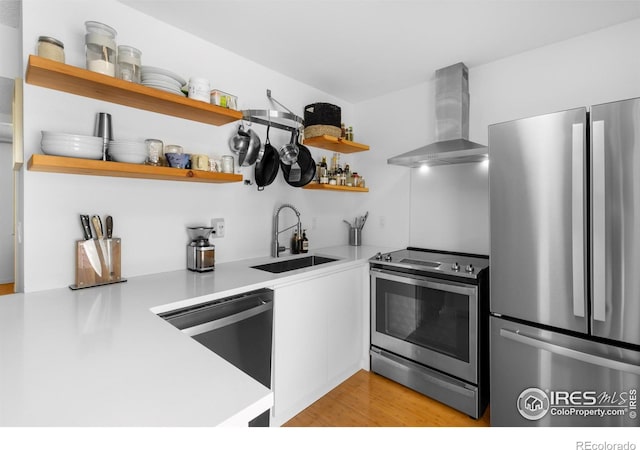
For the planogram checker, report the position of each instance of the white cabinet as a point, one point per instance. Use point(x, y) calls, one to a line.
point(318, 339)
point(344, 325)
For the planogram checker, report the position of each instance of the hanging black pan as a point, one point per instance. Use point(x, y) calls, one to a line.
point(307, 166)
point(266, 168)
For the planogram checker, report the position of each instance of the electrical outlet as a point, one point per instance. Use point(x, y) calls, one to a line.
point(218, 228)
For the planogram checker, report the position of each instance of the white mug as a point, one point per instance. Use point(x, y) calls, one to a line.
point(199, 89)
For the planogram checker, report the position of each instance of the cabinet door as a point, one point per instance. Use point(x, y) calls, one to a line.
point(345, 324)
point(300, 347)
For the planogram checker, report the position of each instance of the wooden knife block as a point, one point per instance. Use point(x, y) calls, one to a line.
point(95, 252)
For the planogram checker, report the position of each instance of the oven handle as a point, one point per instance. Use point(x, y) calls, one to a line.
point(417, 280)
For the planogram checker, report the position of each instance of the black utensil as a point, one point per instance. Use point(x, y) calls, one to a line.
point(109, 231)
point(86, 226)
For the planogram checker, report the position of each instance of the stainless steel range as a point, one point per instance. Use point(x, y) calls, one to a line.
point(430, 324)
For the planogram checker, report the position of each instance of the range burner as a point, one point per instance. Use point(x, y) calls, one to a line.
point(463, 265)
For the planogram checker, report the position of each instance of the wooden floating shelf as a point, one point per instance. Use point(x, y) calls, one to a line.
point(80, 166)
point(331, 187)
point(74, 80)
point(335, 144)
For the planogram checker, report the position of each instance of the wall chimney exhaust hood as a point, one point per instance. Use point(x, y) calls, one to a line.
point(452, 125)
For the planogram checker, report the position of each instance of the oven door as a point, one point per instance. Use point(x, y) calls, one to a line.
point(427, 320)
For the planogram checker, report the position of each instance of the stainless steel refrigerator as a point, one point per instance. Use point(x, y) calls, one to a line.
point(565, 268)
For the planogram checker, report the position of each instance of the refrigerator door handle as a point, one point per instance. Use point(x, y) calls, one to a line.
point(577, 218)
point(570, 353)
point(599, 224)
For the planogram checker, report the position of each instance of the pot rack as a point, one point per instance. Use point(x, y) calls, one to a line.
point(284, 120)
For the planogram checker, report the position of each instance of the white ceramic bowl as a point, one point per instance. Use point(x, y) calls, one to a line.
point(71, 145)
point(128, 147)
point(134, 158)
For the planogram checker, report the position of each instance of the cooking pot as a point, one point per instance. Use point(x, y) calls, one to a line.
point(266, 167)
point(289, 152)
point(307, 167)
point(239, 141)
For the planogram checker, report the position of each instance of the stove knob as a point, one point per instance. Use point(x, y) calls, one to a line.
point(387, 257)
point(379, 256)
point(469, 269)
point(455, 267)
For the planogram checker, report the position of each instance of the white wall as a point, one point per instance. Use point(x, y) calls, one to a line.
point(150, 216)
point(448, 206)
point(406, 208)
point(10, 51)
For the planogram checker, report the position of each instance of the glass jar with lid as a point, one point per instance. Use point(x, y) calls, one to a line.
point(129, 62)
point(100, 46)
point(50, 48)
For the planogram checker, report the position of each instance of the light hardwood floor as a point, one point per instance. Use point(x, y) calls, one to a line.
point(369, 400)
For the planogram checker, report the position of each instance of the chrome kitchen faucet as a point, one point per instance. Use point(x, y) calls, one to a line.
point(275, 246)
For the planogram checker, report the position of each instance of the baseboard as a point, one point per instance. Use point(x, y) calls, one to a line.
point(7, 288)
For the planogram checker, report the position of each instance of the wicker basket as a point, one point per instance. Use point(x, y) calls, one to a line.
point(322, 118)
point(319, 130)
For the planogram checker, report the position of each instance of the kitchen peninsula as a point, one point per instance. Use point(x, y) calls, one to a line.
point(102, 357)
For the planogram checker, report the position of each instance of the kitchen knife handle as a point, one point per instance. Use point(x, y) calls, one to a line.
point(109, 221)
point(97, 225)
point(86, 226)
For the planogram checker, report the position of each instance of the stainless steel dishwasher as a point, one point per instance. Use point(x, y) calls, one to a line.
point(238, 328)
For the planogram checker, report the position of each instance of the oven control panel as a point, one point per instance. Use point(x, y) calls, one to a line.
point(458, 265)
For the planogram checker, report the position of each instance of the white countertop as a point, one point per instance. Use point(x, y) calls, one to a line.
point(102, 357)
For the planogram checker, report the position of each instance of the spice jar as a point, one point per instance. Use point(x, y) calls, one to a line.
point(50, 48)
point(129, 62)
point(100, 47)
point(154, 152)
point(227, 164)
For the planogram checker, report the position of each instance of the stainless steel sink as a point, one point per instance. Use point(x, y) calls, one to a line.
point(294, 264)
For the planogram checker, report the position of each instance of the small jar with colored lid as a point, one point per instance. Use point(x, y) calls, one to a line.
point(129, 63)
point(50, 48)
point(100, 46)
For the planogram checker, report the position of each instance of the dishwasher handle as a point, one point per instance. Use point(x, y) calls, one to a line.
point(242, 314)
point(216, 314)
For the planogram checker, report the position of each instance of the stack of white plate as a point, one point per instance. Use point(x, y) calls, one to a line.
point(72, 145)
point(128, 151)
point(162, 79)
